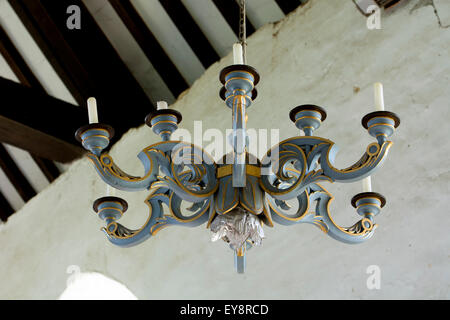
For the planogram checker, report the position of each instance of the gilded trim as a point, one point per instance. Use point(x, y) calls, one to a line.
point(239, 78)
point(227, 170)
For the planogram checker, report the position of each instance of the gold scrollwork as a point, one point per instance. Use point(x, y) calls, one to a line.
point(357, 229)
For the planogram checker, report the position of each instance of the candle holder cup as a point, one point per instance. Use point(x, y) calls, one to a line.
point(368, 205)
point(380, 124)
point(164, 122)
point(308, 117)
point(110, 207)
point(95, 137)
point(238, 80)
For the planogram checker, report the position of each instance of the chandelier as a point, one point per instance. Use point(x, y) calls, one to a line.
point(239, 195)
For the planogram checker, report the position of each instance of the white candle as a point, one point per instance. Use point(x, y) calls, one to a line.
point(238, 57)
point(92, 110)
point(379, 99)
point(110, 191)
point(161, 105)
point(367, 184)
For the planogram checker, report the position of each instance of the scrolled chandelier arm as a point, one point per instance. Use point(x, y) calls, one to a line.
point(236, 199)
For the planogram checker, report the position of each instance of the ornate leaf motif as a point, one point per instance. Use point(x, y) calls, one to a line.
point(120, 231)
point(354, 234)
point(294, 164)
point(303, 162)
point(175, 172)
point(319, 199)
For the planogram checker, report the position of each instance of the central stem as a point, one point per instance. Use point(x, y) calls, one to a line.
point(239, 141)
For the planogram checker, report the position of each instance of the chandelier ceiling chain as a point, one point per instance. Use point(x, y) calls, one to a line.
point(243, 29)
point(236, 197)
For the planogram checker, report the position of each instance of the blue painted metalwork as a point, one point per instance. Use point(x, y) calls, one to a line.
point(95, 137)
point(239, 83)
point(176, 171)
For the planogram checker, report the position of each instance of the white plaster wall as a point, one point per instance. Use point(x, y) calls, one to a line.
point(318, 54)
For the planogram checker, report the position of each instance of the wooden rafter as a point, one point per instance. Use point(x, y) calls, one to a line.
point(150, 46)
point(36, 142)
point(230, 11)
point(190, 31)
point(5, 208)
point(16, 62)
point(47, 36)
point(48, 168)
point(86, 62)
point(15, 176)
point(26, 77)
point(35, 109)
point(39, 123)
point(288, 6)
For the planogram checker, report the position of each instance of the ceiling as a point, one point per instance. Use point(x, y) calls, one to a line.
point(125, 50)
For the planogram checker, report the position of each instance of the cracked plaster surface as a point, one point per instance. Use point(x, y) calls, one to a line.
point(441, 10)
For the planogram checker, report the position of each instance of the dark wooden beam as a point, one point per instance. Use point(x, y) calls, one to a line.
point(26, 77)
point(39, 123)
point(86, 62)
point(54, 46)
point(37, 110)
point(5, 208)
point(230, 11)
point(16, 62)
point(48, 168)
point(190, 31)
point(288, 6)
point(15, 176)
point(150, 46)
point(36, 142)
